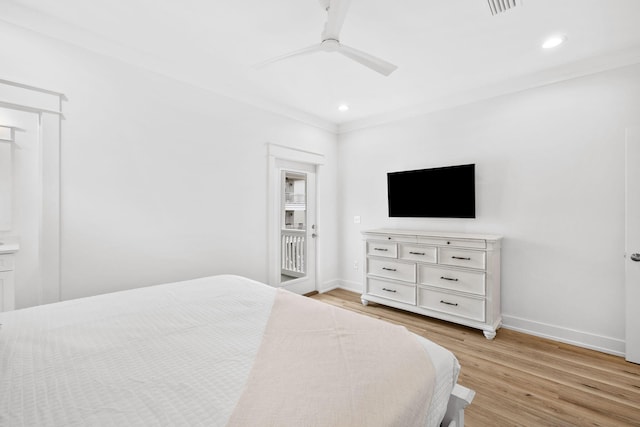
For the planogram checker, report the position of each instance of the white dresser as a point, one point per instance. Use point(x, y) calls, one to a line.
point(449, 276)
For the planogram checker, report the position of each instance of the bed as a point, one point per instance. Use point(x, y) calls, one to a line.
point(219, 351)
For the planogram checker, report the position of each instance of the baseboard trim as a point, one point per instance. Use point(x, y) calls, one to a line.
point(329, 286)
point(569, 336)
point(350, 285)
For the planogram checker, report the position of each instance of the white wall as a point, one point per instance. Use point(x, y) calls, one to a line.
point(161, 181)
point(549, 172)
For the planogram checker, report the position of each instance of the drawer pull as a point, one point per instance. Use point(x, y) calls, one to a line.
point(463, 258)
point(388, 269)
point(448, 278)
point(389, 290)
point(380, 249)
point(417, 253)
point(455, 304)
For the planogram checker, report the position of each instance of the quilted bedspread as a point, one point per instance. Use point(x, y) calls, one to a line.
point(174, 354)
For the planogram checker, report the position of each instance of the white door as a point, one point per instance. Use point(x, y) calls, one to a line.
point(632, 249)
point(297, 226)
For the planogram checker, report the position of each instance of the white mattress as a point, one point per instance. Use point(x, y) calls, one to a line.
point(174, 354)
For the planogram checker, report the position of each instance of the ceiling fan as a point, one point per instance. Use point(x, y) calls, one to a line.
point(336, 13)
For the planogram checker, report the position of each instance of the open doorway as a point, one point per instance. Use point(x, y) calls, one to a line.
point(297, 248)
point(30, 189)
point(292, 219)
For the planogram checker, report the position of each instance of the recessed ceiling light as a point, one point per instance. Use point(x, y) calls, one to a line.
point(343, 107)
point(554, 41)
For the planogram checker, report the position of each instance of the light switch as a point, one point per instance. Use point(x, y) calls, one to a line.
point(356, 219)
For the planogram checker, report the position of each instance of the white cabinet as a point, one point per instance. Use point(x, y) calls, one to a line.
point(449, 276)
point(7, 286)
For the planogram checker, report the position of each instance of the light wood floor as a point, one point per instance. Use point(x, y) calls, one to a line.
point(522, 380)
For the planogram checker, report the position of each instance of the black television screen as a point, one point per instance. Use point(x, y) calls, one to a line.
point(447, 192)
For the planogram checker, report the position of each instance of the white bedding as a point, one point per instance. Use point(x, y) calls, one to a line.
point(174, 354)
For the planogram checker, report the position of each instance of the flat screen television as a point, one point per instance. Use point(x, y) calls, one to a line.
point(446, 192)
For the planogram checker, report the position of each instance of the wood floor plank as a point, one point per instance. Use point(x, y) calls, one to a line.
point(522, 380)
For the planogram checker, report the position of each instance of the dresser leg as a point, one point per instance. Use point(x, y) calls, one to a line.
point(364, 301)
point(489, 334)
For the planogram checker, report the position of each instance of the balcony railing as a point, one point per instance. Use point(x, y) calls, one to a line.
point(293, 248)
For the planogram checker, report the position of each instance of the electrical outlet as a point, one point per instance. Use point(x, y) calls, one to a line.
point(356, 219)
point(355, 265)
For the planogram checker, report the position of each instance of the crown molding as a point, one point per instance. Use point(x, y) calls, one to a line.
point(31, 20)
point(594, 65)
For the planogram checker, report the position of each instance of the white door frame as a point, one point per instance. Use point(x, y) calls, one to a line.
point(279, 152)
point(632, 244)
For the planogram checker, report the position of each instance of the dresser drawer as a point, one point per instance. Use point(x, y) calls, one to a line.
point(6, 262)
point(384, 249)
point(391, 238)
point(436, 241)
point(418, 253)
point(450, 278)
point(394, 291)
point(392, 270)
point(461, 258)
point(456, 243)
point(469, 307)
point(460, 243)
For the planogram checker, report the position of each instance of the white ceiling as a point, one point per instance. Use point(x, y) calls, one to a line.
point(447, 51)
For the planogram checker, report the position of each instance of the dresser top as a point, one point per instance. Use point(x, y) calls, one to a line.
point(439, 234)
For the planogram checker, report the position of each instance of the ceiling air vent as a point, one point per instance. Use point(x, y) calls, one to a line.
point(499, 6)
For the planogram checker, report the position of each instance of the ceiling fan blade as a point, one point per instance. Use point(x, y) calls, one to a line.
point(304, 51)
point(376, 64)
point(337, 12)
